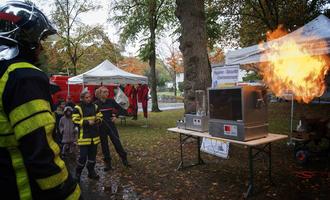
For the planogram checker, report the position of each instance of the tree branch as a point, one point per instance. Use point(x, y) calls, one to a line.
point(79, 11)
point(159, 7)
point(74, 5)
point(262, 17)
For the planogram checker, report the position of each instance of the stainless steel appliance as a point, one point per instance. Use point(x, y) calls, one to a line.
point(238, 113)
point(198, 121)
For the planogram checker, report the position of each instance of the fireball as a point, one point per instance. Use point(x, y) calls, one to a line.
point(292, 67)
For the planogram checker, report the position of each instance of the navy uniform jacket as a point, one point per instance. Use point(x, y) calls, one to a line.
point(30, 166)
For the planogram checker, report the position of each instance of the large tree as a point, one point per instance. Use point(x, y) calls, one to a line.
point(56, 60)
point(75, 35)
point(193, 45)
point(144, 21)
point(247, 21)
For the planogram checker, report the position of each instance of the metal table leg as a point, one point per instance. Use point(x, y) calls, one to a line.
point(181, 154)
point(267, 150)
point(200, 160)
point(250, 187)
point(182, 142)
point(270, 163)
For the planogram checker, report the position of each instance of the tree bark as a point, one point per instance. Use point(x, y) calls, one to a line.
point(152, 57)
point(174, 84)
point(193, 45)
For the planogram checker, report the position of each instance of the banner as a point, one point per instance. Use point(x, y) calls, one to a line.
point(215, 147)
point(122, 99)
point(226, 75)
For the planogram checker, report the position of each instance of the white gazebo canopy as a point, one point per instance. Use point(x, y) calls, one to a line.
point(107, 73)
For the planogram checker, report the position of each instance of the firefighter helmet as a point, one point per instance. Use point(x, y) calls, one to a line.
point(23, 24)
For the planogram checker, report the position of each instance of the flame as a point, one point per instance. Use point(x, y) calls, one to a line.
point(291, 67)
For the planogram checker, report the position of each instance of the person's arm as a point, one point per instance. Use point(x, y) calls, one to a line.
point(61, 125)
point(99, 115)
point(26, 100)
point(76, 116)
point(78, 120)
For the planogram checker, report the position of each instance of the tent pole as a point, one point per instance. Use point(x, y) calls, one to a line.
point(146, 119)
point(83, 83)
point(68, 89)
point(291, 122)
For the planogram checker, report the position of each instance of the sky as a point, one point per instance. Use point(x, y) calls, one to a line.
point(100, 17)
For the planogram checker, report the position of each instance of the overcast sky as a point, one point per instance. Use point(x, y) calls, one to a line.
point(100, 17)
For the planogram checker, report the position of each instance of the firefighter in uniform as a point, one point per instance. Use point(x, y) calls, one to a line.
point(110, 110)
point(87, 116)
point(30, 166)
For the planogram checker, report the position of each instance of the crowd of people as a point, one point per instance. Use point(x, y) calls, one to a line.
point(86, 125)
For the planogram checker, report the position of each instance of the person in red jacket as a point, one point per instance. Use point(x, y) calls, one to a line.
point(131, 93)
point(143, 97)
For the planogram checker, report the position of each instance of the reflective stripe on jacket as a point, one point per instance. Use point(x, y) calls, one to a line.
point(88, 134)
point(27, 151)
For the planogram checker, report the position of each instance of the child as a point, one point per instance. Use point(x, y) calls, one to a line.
point(88, 117)
point(66, 127)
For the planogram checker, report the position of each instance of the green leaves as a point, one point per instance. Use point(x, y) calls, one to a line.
point(75, 35)
point(137, 18)
point(247, 21)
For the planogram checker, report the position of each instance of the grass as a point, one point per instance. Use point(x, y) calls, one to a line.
point(154, 154)
point(279, 115)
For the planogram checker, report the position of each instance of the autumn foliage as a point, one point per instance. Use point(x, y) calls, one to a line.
point(133, 65)
point(216, 56)
point(175, 62)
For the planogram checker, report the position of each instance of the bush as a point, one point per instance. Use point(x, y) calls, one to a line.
point(180, 86)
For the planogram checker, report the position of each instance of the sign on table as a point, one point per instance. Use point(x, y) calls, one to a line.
point(225, 75)
point(215, 147)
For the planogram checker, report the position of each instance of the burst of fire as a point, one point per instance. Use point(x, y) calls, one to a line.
point(293, 68)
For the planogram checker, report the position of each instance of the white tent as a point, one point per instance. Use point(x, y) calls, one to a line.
point(107, 73)
point(308, 36)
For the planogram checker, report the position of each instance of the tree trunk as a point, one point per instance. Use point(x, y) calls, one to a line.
point(193, 45)
point(152, 57)
point(74, 63)
point(174, 84)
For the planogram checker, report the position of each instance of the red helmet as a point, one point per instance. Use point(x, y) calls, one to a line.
point(24, 24)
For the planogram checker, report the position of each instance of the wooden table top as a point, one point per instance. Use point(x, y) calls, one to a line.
point(270, 138)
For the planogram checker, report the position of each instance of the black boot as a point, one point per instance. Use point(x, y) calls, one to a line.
point(125, 163)
point(91, 171)
point(107, 165)
point(78, 172)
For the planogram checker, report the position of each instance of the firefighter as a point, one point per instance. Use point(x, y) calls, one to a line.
point(87, 116)
point(30, 165)
point(110, 110)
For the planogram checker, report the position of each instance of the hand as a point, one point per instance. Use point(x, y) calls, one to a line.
point(113, 118)
point(76, 129)
point(91, 122)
